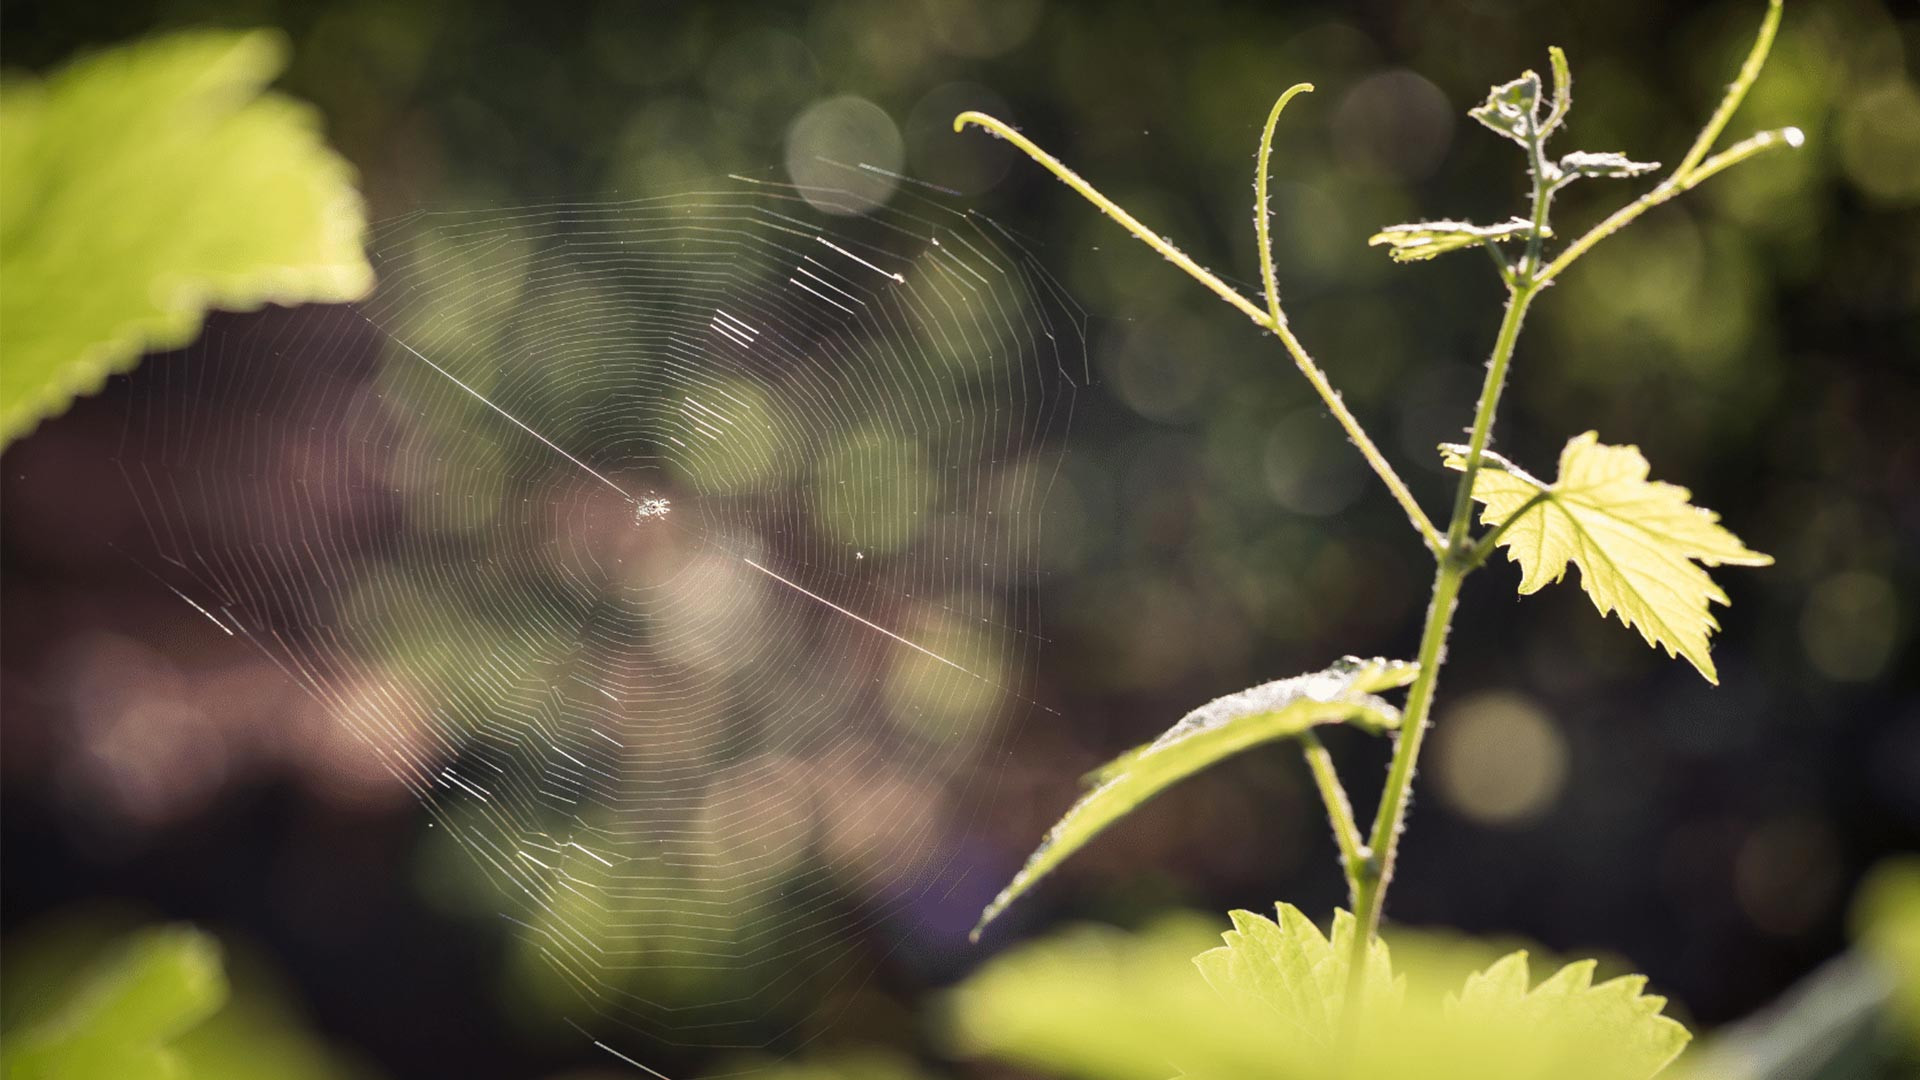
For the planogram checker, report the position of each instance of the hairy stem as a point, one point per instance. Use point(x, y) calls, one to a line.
point(1672, 186)
point(1354, 854)
point(1263, 230)
point(1390, 819)
point(1696, 166)
point(1460, 557)
point(1272, 319)
point(1736, 93)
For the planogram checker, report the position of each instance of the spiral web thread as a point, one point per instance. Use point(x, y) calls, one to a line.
point(677, 553)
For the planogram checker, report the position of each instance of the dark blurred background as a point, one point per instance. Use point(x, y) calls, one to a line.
point(1758, 339)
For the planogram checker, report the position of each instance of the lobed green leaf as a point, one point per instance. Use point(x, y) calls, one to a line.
point(1635, 541)
point(1297, 975)
point(1269, 1004)
point(1215, 731)
point(1568, 1025)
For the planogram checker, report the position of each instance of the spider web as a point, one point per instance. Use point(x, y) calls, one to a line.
point(677, 553)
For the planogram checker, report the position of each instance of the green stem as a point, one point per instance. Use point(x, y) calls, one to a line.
point(1736, 93)
point(1346, 831)
point(1459, 557)
point(1271, 319)
point(1696, 166)
point(1543, 187)
point(1390, 819)
point(1672, 186)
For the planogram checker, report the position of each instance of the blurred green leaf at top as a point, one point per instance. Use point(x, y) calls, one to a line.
point(144, 185)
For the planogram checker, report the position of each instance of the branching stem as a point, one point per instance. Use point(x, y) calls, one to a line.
point(1369, 862)
point(1670, 187)
point(1272, 319)
point(1736, 93)
point(1461, 557)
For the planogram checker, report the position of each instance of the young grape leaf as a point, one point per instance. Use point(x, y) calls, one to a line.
point(1099, 1004)
point(1613, 165)
point(1297, 975)
point(1635, 540)
point(1425, 239)
point(1567, 1025)
point(142, 186)
point(1215, 731)
point(1512, 109)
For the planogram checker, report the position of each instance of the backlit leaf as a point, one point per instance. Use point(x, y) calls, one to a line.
point(1096, 1003)
point(1512, 109)
point(1568, 1026)
point(1425, 239)
point(1296, 974)
point(1613, 165)
point(1269, 1004)
point(1636, 541)
point(142, 186)
point(1215, 731)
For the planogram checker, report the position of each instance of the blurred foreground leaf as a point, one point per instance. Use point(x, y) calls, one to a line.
point(1887, 923)
point(1211, 733)
point(93, 994)
point(1296, 974)
point(1097, 1004)
point(123, 1017)
point(144, 185)
point(1567, 1025)
point(1635, 540)
point(856, 1064)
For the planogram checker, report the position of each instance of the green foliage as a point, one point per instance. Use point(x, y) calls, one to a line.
point(1298, 976)
point(1637, 543)
point(1635, 540)
point(862, 1064)
point(1566, 1025)
point(1344, 693)
point(1887, 922)
point(96, 995)
point(1512, 109)
point(1100, 1005)
point(1425, 239)
point(127, 1012)
point(144, 185)
point(1612, 165)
